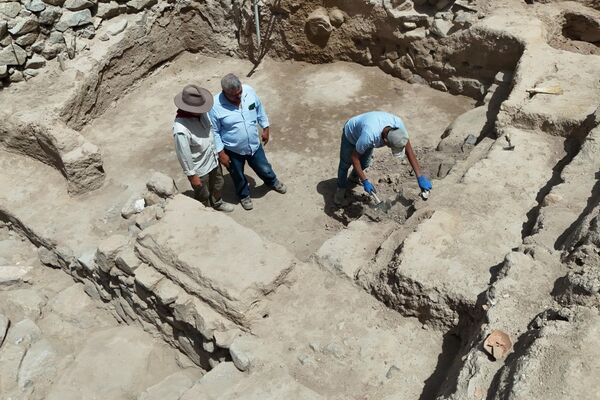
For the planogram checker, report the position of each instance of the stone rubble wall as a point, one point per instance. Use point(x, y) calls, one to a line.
point(195, 302)
point(32, 32)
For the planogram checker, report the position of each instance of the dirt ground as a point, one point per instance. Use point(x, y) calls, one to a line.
point(307, 107)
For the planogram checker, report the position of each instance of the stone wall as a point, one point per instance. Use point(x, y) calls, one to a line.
point(35, 31)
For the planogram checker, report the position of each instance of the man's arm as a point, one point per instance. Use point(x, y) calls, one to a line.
point(412, 159)
point(219, 146)
point(424, 183)
point(357, 167)
point(184, 154)
point(263, 120)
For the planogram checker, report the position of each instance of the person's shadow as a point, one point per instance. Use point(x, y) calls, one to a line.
point(345, 215)
point(229, 195)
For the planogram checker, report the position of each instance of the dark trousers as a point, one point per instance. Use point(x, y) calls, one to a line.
point(258, 162)
point(212, 187)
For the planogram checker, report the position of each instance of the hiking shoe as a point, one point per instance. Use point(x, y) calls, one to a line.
point(340, 197)
point(247, 203)
point(280, 187)
point(224, 207)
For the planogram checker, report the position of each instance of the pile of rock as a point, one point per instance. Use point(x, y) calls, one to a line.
point(34, 31)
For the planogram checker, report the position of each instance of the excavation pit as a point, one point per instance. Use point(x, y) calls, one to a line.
point(299, 298)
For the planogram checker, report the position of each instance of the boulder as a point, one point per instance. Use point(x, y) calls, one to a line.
point(76, 5)
point(441, 27)
point(3, 71)
point(11, 276)
point(17, 76)
point(35, 6)
point(110, 10)
point(24, 25)
point(57, 3)
point(70, 19)
point(139, 5)
point(108, 250)
point(10, 9)
point(50, 15)
point(27, 39)
point(318, 24)
point(35, 62)
point(161, 184)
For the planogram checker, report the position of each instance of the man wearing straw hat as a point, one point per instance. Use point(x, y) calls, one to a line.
point(195, 146)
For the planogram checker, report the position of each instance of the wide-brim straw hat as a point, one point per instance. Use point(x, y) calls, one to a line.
point(194, 99)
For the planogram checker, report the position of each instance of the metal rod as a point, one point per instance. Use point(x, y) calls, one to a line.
point(257, 23)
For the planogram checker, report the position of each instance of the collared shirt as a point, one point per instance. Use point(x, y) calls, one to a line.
point(235, 127)
point(364, 130)
point(194, 145)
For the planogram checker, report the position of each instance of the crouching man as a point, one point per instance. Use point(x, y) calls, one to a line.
point(195, 146)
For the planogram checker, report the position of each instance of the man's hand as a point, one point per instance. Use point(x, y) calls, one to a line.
point(424, 183)
point(195, 181)
point(368, 186)
point(265, 135)
point(224, 159)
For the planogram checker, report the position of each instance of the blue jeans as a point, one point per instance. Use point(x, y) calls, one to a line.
point(258, 162)
point(346, 149)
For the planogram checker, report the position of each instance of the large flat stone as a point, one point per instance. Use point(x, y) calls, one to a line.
point(448, 260)
point(213, 257)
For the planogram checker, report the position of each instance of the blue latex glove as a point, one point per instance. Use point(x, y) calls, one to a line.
point(368, 186)
point(424, 183)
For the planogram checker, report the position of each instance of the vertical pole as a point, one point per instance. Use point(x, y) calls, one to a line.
point(257, 23)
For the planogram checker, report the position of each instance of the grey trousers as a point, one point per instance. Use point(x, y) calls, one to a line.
point(212, 188)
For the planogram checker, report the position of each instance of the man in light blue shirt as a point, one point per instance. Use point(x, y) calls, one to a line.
point(363, 133)
point(235, 114)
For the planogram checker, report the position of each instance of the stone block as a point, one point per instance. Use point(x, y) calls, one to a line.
point(10, 9)
point(57, 3)
point(441, 27)
point(13, 276)
point(24, 25)
point(240, 356)
point(139, 5)
point(70, 19)
point(127, 261)
point(147, 277)
point(196, 313)
point(235, 282)
point(36, 62)
point(49, 16)
point(147, 217)
point(76, 5)
point(110, 10)
point(161, 184)
point(3, 29)
point(35, 6)
point(108, 250)
point(173, 386)
point(27, 39)
point(224, 339)
point(13, 55)
point(167, 292)
point(88, 261)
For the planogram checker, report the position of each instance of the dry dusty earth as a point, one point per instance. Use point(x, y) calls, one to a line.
point(299, 299)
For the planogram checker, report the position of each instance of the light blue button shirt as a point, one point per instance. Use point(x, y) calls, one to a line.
point(364, 130)
point(235, 127)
